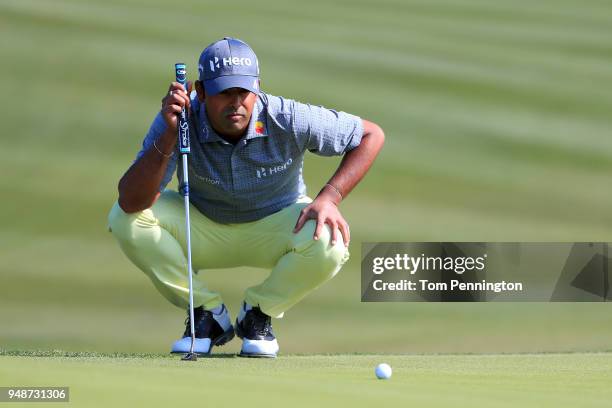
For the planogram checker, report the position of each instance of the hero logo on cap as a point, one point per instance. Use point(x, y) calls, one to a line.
point(229, 63)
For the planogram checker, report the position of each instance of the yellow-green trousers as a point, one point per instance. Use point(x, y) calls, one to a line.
point(155, 241)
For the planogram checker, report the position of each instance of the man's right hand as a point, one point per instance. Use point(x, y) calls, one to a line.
point(173, 103)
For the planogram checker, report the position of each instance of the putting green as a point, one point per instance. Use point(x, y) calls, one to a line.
point(497, 117)
point(510, 380)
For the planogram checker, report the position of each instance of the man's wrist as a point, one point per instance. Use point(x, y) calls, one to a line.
point(330, 193)
point(166, 143)
point(166, 155)
point(336, 189)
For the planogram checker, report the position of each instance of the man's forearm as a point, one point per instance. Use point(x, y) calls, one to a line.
point(356, 163)
point(139, 186)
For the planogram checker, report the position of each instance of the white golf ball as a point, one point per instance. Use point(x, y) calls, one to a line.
point(383, 371)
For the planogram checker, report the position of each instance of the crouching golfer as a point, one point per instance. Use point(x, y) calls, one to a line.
point(248, 199)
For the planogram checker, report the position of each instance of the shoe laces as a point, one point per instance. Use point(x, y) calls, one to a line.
point(262, 323)
point(198, 313)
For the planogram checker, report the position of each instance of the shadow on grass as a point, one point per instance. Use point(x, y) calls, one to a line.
point(207, 356)
point(92, 354)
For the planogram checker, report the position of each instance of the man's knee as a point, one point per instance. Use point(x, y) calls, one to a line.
point(122, 225)
point(329, 258)
point(116, 219)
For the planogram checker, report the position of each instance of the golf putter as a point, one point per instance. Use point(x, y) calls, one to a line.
point(185, 149)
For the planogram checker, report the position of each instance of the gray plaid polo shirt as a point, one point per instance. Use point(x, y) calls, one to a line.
point(262, 173)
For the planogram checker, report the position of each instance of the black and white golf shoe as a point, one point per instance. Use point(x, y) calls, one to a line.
point(254, 327)
point(212, 328)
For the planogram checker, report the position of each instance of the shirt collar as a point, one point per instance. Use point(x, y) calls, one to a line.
point(206, 133)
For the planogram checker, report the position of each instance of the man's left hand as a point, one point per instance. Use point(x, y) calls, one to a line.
point(325, 211)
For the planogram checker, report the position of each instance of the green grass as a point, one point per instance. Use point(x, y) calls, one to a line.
point(497, 121)
point(497, 117)
point(526, 380)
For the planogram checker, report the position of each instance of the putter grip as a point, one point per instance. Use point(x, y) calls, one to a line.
point(183, 124)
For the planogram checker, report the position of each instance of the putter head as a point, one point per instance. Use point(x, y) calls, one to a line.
point(190, 357)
